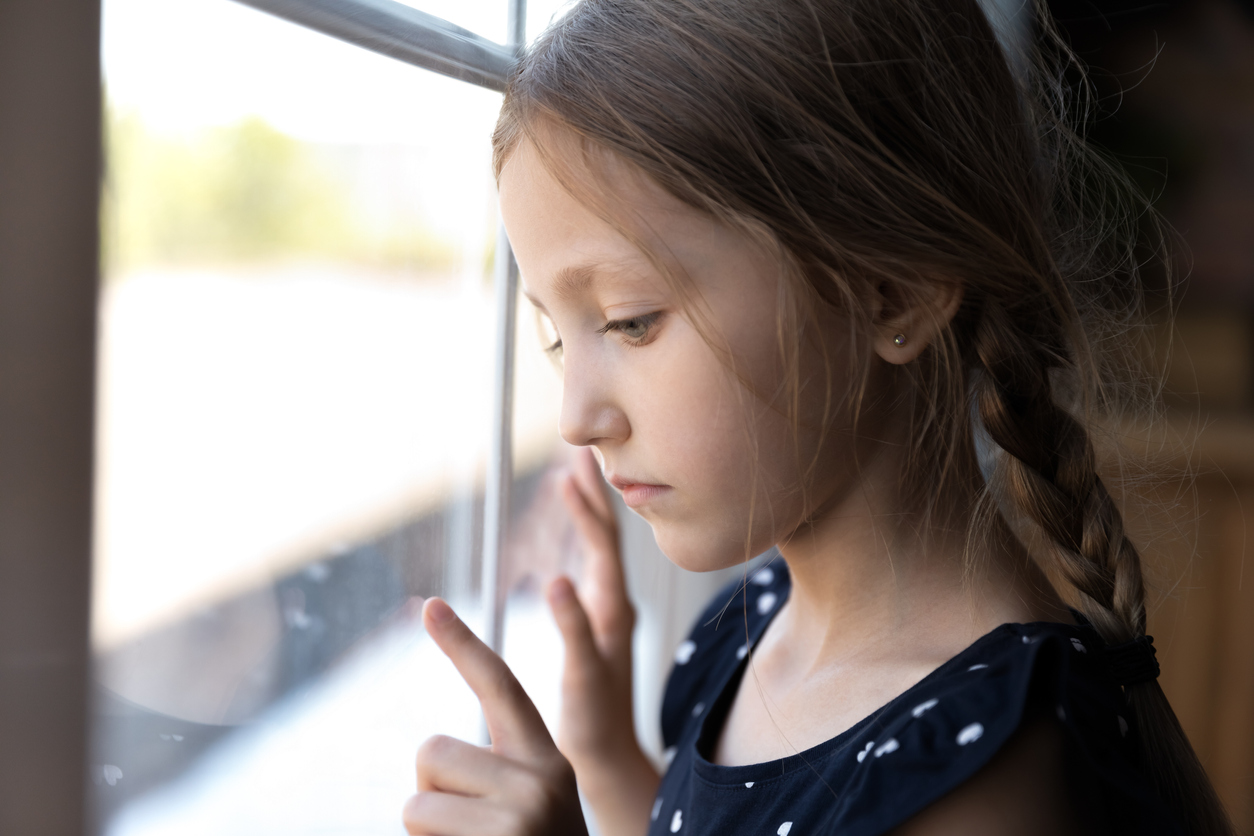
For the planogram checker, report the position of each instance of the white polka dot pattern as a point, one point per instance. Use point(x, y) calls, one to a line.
point(914, 744)
point(924, 707)
point(766, 602)
point(970, 734)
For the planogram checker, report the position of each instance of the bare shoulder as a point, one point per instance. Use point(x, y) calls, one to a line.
point(1022, 791)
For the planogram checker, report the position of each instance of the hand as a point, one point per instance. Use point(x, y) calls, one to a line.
point(596, 626)
point(519, 786)
point(596, 730)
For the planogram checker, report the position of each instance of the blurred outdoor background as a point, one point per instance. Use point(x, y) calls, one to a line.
point(295, 402)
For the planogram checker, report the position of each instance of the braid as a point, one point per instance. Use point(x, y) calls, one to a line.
point(1050, 473)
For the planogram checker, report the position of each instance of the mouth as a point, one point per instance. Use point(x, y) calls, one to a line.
point(636, 494)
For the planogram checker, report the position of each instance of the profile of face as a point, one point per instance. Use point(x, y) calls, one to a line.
point(684, 410)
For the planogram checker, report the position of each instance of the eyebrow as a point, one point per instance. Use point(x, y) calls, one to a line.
point(576, 279)
point(571, 281)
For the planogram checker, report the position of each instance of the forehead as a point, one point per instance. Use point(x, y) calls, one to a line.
point(575, 228)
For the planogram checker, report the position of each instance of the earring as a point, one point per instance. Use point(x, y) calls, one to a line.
point(899, 340)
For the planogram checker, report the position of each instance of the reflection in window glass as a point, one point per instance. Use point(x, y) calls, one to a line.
point(295, 389)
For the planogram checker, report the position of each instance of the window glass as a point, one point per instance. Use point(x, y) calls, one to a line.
point(295, 389)
point(540, 13)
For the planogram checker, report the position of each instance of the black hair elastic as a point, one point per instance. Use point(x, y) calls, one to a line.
point(1134, 662)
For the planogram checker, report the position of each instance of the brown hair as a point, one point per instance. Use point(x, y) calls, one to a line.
point(893, 142)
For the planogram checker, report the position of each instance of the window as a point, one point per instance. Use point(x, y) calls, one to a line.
point(296, 388)
point(309, 330)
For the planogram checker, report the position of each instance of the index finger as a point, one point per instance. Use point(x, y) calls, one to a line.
point(514, 724)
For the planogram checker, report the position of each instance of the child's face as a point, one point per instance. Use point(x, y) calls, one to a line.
point(688, 446)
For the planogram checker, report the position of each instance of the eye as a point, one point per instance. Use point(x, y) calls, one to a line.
point(635, 329)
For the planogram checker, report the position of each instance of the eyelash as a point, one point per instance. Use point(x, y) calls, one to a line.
point(647, 321)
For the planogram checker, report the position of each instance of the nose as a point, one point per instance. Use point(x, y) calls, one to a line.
point(590, 414)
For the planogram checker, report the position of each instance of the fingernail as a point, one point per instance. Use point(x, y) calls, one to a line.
point(440, 612)
point(562, 590)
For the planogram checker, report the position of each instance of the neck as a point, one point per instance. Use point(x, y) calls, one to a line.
point(868, 570)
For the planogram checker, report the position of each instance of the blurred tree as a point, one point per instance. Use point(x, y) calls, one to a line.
point(243, 193)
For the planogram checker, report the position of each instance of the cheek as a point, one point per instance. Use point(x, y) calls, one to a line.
point(688, 415)
point(725, 455)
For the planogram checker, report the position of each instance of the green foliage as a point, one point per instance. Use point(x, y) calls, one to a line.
point(243, 193)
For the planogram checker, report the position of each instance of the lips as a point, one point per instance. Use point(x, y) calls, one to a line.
point(635, 493)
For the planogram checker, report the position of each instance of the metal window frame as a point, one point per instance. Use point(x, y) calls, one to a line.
point(407, 34)
point(500, 473)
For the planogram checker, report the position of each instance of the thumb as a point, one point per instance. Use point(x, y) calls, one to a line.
point(572, 622)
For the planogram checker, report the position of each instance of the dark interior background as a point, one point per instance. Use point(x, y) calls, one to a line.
point(1176, 81)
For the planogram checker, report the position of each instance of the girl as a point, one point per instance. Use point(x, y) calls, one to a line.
point(795, 251)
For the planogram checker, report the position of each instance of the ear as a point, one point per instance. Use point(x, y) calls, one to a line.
point(907, 319)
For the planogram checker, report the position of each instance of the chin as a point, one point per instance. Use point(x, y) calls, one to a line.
point(695, 549)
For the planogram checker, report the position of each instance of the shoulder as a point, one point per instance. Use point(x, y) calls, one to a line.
point(1022, 733)
point(1024, 790)
point(1025, 719)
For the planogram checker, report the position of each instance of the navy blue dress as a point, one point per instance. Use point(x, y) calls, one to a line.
point(906, 755)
